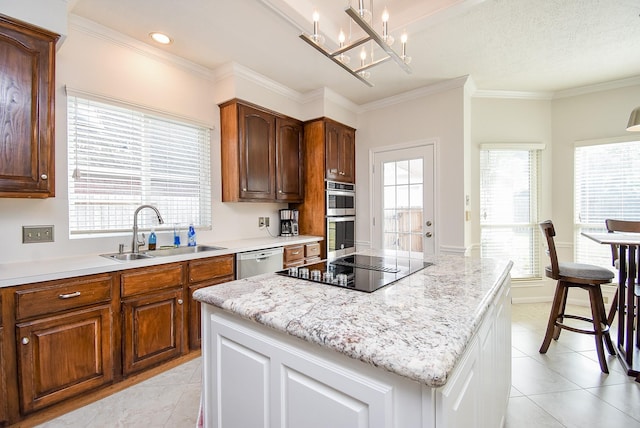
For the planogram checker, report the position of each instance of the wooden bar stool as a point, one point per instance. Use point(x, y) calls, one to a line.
point(587, 277)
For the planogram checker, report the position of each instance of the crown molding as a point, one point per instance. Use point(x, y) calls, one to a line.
point(435, 88)
point(233, 69)
point(514, 95)
point(96, 30)
point(598, 87)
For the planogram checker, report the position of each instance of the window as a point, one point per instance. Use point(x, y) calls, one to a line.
point(607, 185)
point(121, 157)
point(509, 207)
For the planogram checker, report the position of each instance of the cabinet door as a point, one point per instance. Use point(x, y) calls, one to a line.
point(152, 330)
point(195, 311)
point(347, 155)
point(340, 153)
point(3, 383)
point(63, 356)
point(289, 160)
point(256, 154)
point(27, 62)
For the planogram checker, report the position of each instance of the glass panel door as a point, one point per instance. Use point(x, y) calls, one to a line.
point(404, 184)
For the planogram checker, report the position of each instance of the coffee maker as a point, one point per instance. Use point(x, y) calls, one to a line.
point(288, 222)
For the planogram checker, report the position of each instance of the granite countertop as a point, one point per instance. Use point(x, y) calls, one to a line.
point(417, 327)
point(18, 273)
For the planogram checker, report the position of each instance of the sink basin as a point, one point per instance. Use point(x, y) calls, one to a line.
point(126, 257)
point(182, 250)
point(163, 252)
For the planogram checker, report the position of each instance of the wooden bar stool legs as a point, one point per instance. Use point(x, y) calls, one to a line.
point(598, 319)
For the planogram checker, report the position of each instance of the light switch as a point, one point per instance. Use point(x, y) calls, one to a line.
point(31, 234)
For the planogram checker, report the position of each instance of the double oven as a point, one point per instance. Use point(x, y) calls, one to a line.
point(341, 218)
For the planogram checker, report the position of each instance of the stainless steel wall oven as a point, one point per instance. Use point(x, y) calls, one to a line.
point(341, 220)
point(341, 198)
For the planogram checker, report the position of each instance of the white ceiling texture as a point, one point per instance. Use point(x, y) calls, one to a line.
point(504, 45)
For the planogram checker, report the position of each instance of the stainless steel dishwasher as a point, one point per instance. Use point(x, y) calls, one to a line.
point(253, 263)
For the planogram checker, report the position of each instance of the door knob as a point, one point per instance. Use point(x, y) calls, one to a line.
point(44, 176)
point(428, 235)
point(180, 301)
point(429, 223)
point(25, 340)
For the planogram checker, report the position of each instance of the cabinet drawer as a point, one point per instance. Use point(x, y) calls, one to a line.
point(57, 296)
point(312, 250)
point(152, 278)
point(293, 253)
point(206, 269)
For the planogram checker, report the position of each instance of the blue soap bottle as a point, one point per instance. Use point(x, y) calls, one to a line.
point(191, 236)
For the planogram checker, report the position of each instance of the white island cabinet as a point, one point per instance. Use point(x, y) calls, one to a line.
point(432, 350)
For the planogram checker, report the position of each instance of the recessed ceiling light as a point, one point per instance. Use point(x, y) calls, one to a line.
point(160, 38)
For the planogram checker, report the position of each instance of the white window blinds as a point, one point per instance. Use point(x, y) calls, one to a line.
point(120, 158)
point(509, 208)
point(607, 185)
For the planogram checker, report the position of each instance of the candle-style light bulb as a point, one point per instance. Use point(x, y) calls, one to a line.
point(316, 37)
point(316, 18)
point(385, 28)
point(342, 57)
point(363, 57)
point(405, 58)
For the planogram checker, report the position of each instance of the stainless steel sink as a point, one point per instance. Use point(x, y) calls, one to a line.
point(163, 252)
point(127, 257)
point(182, 250)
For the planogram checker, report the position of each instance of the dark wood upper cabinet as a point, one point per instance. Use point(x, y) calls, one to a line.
point(289, 160)
point(340, 160)
point(27, 68)
point(261, 154)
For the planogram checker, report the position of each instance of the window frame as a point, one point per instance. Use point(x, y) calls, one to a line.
point(536, 149)
point(584, 249)
point(178, 194)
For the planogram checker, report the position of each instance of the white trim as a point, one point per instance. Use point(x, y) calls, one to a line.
point(515, 95)
point(610, 140)
point(512, 146)
point(436, 194)
point(128, 104)
point(598, 87)
point(435, 88)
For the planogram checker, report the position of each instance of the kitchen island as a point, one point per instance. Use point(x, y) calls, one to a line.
point(431, 350)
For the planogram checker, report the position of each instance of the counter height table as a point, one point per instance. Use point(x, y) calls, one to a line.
point(629, 244)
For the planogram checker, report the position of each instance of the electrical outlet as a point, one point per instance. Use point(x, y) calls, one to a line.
point(31, 234)
point(261, 222)
point(266, 221)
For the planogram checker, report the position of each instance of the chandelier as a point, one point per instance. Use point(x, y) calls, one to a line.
point(360, 17)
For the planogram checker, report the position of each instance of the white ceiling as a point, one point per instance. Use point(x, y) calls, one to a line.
point(509, 45)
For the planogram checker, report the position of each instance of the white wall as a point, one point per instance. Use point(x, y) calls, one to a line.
point(435, 116)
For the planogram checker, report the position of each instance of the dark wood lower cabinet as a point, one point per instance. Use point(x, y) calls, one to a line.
point(62, 356)
point(4, 413)
point(152, 329)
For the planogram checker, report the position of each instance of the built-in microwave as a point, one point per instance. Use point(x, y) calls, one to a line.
point(341, 199)
point(341, 236)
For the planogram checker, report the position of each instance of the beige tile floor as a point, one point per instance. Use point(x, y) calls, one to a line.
point(563, 388)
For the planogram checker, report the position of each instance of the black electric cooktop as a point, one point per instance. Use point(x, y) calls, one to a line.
point(358, 272)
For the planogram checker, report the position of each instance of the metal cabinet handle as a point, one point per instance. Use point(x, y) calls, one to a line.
point(244, 189)
point(295, 253)
point(69, 295)
point(44, 176)
point(25, 340)
point(428, 234)
point(180, 301)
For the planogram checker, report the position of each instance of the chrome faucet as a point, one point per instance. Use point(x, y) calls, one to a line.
point(135, 244)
